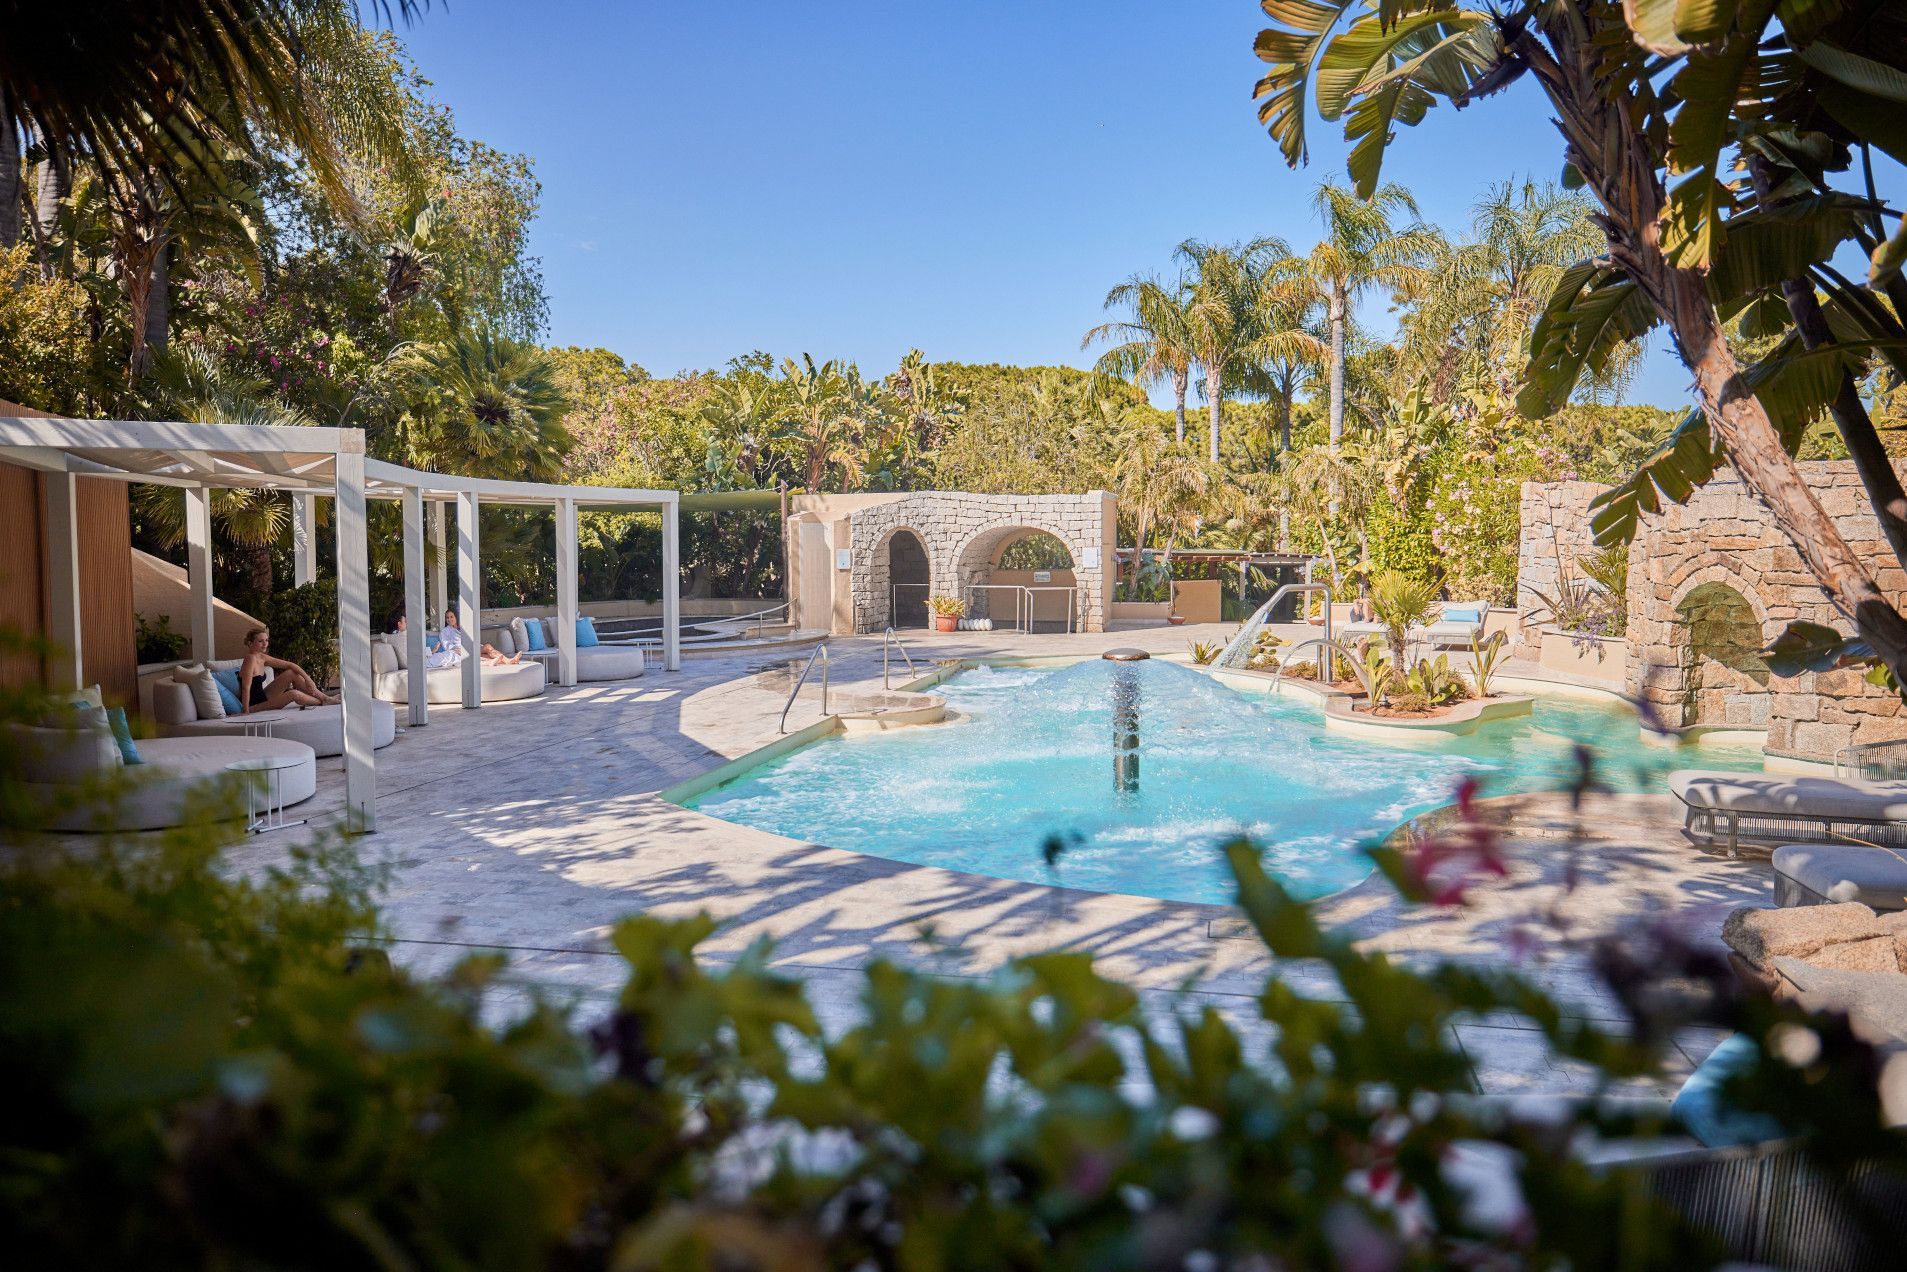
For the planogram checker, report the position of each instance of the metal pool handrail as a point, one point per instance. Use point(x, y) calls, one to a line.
point(892, 637)
point(1241, 643)
point(1350, 656)
point(821, 652)
point(1023, 621)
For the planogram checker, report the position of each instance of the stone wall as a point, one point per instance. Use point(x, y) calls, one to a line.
point(964, 535)
point(1711, 583)
point(1555, 517)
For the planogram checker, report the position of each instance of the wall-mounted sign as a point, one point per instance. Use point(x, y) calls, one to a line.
point(844, 558)
point(1091, 559)
point(1042, 576)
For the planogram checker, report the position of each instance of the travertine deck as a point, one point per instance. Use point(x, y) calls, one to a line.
point(531, 827)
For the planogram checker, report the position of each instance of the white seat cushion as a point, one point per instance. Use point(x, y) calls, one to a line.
point(320, 728)
point(1876, 877)
point(1791, 795)
point(184, 780)
point(444, 686)
point(609, 662)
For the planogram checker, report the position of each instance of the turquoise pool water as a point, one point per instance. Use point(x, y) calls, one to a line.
point(1033, 759)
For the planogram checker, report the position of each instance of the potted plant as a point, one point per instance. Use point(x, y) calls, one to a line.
point(948, 611)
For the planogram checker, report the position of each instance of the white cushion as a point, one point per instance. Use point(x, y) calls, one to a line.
point(520, 635)
point(205, 691)
point(383, 657)
point(1874, 876)
point(172, 702)
point(444, 686)
point(64, 756)
point(1791, 795)
point(183, 780)
point(609, 662)
point(320, 728)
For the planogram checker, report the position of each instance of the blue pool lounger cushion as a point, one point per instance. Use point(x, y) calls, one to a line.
point(227, 681)
point(586, 633)
point(1462, 614)
point(1699, 1106)
point(533, 631)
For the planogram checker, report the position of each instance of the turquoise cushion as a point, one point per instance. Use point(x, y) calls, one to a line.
point(586, 633)
point(1462, 614)
point(533, 631)
point(227, 681)
point(1699, 1106)
point(431, 641)
point(122, 734)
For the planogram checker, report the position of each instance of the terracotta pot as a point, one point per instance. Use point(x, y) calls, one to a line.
point(1177, 620)
point(944, 622)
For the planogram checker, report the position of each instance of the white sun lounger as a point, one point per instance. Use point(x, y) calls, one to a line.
point(1775, 808)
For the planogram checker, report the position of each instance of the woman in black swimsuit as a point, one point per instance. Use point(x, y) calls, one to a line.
point(290, 683)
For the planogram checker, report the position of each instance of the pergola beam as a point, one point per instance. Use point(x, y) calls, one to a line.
point(416, 618)
point(354, 647)
point(304, 538)
point(65, 661)
point(198, 568)
point(469, 597)
point(567, 606)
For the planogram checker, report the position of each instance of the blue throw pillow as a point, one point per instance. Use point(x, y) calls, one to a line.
point(1462, 614)
point(431, 641)
point(227, 681)
point(533, 632)
point(1699, 1108)
point(122, 734)
point(586, 633)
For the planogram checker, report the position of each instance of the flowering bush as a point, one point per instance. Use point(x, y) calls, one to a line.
point(1476, 512)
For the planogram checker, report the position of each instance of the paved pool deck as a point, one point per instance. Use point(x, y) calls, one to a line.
point(531, 827)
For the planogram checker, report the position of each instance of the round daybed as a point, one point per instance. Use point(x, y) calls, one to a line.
point(321, 728)
point(593, 662)
point(180, 781)
point(444, 686)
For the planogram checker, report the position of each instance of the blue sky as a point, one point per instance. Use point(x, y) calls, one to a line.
point(855, 178)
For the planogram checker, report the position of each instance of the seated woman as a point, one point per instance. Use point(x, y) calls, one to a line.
point(491, 655)
point(291, 685)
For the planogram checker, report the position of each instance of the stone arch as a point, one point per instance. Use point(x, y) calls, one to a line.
point(1717, 636)
point(881, 577)
point(976, 573)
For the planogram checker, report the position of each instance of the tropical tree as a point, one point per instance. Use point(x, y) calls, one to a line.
point(1228, 285)
point(1364, 247)
point(1289, 342)
point(819, 426)
point(1160, 482)
point(1787, 92)
point(194, 386)
point(1477, 301)
point(494, 409)
point(1154, 345)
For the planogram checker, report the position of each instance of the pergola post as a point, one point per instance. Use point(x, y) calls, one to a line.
point(198, 567)
point(415, 616)
point(468, 597)
point(354, 645)
point(66, 663)
point(566, 592)
point(304, 539)
point(671, 586)
point(440, 564)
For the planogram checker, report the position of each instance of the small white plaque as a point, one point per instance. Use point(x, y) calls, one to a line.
point(1092, 559)
point(844, 558)
point(1042, 576)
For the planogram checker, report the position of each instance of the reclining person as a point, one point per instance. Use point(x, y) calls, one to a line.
point(438, 652)
point(491, 655)
point(291, 685)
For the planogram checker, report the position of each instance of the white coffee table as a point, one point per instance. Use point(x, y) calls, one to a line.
point(265, 790)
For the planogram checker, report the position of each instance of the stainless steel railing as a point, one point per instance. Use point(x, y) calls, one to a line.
point(892, 638)
point(821, 652)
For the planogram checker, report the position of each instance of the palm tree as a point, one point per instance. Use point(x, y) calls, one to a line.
point(496, 411)
point(1362, 249)
point(1479, 299)
point(1227, 293)
point(1288, 344)
point(1155, 343)
point(820, 402)
point(195, 387)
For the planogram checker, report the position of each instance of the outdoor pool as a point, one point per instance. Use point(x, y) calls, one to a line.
point(1034, 759)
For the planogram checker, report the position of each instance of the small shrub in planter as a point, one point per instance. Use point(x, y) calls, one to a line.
point(304, 626)
point(156, 642)
point(948, 611)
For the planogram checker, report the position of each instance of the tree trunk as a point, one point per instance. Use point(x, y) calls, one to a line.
point(1850, 413)
point(9, 174)
point(1284, 419)
point(1337, 364)
point(159, 300)
point(1215, 388)
point(1181, 378)
point(50, 177)
point(1619, 167)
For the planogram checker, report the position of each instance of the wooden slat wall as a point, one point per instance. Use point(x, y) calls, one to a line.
point(21, 589)
point(109, 650)
point(105, 568)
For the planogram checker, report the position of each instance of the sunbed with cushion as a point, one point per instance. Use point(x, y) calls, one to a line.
point(175, 713)
point(1460, 623)
point(443, 686)
point(1825, 874)
point(1773, 808)
point(176, 782)
point(531, 638)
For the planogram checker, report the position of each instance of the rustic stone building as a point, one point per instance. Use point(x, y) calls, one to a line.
point(860, 562)
point(1711, 583)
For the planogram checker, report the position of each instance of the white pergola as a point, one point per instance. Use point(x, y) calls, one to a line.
point(310, 464)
